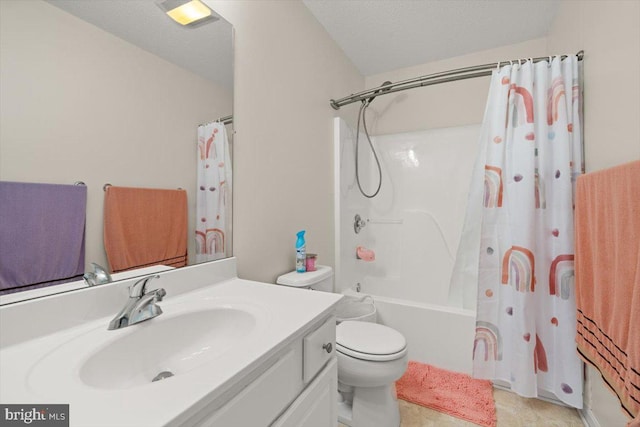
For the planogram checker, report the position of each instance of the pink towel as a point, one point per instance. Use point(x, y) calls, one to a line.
point(607, 267)
point(365, 254)
point(145, 227)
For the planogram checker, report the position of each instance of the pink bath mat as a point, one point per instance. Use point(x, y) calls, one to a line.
point(453, 393)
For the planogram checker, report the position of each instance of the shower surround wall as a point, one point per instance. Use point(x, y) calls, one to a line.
point(413, 226)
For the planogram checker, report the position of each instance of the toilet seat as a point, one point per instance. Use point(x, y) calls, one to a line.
point(370, 341)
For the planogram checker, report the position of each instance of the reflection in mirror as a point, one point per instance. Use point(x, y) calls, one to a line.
point(116, 92)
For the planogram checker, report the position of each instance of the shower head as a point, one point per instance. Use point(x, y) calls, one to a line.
point(378, 91)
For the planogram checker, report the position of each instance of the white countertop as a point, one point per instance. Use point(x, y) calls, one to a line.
point(27, 377)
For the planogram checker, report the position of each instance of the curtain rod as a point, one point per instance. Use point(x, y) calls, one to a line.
point(432, 79)
point(225, 120)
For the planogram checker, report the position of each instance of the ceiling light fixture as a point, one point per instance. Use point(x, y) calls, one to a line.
point(187, 12)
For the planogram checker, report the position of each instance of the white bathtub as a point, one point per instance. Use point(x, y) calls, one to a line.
point(437, 335)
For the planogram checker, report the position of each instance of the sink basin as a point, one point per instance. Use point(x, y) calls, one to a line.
point(184, 338)
point(167, 344)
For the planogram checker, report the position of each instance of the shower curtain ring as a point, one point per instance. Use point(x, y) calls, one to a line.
point(498, 66)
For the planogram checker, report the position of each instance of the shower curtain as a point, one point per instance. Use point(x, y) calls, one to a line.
point(522, 204)
point(213, 194)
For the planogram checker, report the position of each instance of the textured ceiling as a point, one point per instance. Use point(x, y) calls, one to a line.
point(205, 50)
point(383, 35)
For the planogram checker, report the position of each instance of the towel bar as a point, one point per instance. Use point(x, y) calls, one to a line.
point(104, 187)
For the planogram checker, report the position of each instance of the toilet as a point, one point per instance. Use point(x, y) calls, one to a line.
point(371, 357)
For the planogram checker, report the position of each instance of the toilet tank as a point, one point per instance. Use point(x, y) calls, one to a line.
point(319, 280)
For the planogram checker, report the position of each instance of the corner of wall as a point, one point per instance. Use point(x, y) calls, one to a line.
point(607, 30)
point(287, 69)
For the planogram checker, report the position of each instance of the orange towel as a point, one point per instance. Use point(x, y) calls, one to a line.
point(145, 227)
point(607, 267)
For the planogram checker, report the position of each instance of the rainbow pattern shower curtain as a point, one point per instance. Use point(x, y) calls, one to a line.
point(213, 194)
point(530, 153)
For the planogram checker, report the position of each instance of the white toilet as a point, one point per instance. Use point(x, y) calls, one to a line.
point(371, 357)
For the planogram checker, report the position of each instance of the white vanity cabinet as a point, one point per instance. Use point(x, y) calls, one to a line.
point(243, 354)
point(317, 405)
point(295, 388)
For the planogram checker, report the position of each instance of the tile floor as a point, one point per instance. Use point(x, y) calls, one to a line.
point(512, 410)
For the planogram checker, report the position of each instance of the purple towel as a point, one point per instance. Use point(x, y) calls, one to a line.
point(41, 234)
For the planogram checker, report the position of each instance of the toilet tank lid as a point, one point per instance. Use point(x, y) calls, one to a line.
point(306, 279)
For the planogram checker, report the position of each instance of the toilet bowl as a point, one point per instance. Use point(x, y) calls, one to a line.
point(371, 357)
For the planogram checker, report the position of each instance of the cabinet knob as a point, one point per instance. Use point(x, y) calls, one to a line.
point(328, 347)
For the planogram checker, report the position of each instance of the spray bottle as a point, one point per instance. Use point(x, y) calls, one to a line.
point(301, 252)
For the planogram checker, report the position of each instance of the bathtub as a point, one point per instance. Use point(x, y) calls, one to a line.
point(438, 335)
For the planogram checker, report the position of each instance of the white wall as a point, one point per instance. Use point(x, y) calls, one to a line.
point(609, 33)
point(451, 104)
point(287, 69)
point(79, 104)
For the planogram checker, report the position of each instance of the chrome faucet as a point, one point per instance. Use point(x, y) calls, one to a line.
point(141, 305)
point(98, 276)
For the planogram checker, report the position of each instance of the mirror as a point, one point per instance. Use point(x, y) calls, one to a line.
point(108, 92)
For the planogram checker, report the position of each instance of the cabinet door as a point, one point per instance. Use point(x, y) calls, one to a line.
point(266, 397)
point(317, 405)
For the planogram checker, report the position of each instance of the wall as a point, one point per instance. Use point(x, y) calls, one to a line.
point(287, 68)
point(609, 33)
point(451, 104)
point(79, 104)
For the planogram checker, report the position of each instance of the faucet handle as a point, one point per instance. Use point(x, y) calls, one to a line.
point(159, 294)
point(139, 288)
